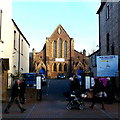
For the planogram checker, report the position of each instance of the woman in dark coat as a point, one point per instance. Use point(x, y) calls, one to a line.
point(97, 93)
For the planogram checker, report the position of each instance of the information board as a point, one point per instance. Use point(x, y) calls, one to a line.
point(107, 66)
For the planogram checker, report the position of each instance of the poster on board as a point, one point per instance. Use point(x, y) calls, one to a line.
point(38, 82)
point(107, 66)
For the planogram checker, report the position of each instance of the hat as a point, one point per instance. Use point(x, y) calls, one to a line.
point(108, 78)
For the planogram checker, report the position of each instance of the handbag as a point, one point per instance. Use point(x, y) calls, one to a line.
point(104, 94)
point(98, 94)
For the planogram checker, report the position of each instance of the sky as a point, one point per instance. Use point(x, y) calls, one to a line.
point(38, 20)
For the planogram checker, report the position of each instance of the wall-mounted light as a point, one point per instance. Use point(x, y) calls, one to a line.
point(14, 66)
point(13, 52)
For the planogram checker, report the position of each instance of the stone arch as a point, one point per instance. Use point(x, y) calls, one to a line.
point(60, 67)
point(65, 67)
point(40, 65)
point(54, 67)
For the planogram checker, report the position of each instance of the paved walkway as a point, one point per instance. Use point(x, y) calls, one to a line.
point(53, 105)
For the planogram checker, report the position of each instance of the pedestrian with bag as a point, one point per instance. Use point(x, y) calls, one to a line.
point(14, 97)
point(97, 93)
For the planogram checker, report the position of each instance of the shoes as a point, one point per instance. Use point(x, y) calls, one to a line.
point(23, 110)
point(6, 111)
point(103, 108)
point(91, 107)
point(22, 103)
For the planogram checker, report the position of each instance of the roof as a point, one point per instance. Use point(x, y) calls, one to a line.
point(101, 7)
point(77, 52)
point(20, 31)
point(94, 53)
point(60, 26)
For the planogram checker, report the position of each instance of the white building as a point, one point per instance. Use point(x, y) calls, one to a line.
point(13, 44)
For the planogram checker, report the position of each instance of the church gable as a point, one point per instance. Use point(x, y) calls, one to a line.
point(59, 33)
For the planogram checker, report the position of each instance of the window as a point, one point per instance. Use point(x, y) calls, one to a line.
point(107, 12)
point(0, 22)
point(93, 60)
point(78, 57)
point(107, 41)
point(112, 49)
point(65, 49)
point(76, 63)
point(22, 47)
point(54, 49)
point(59, 31)
point(15, 40)
point(60, 48)
point(60, 67)
point(55, 67)
point(65, 67)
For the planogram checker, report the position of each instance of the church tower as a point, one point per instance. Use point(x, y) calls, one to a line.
point(59, 53)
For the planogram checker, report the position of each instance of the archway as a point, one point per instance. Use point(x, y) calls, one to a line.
point(80, 71)
point(42, 71)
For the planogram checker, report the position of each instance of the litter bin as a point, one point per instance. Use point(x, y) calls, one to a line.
point(39, 87)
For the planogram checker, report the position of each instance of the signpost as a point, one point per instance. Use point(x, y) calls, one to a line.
point(39, 88)
point(107, 66)
point(87, 82)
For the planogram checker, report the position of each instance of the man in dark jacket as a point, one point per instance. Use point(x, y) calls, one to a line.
point(14, 97)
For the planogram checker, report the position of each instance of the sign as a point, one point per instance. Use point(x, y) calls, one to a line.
point(92, 82)
point(107, 66)
point(59, 59)
point(87, 82)
point(38, 82)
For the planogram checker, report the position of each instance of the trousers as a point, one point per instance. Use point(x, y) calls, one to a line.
point(11, 101)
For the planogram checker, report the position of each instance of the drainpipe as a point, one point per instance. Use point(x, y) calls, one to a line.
point(70, 72)
point(19, 56)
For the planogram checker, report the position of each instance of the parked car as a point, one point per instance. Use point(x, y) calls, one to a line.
point(30, 78)
point(61, 76)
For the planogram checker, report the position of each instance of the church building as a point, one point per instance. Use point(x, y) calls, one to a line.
point(59, 56)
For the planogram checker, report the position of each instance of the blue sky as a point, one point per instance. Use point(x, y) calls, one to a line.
point(38, 20)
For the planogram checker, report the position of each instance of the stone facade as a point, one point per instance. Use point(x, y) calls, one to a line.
point(109, 32)
point(109, 25)
point(59, 56)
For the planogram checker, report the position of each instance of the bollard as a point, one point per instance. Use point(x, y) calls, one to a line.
point(39, 88)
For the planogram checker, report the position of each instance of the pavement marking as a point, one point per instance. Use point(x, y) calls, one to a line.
point(31, 111)
point(105, 113)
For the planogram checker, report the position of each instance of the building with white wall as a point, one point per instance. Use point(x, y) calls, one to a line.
point(13, 44)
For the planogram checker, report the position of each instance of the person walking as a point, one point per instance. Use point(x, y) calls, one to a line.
point(14, 97)
point(74, 85)
point(109, 91)
point(97, 93)
point(22, 91)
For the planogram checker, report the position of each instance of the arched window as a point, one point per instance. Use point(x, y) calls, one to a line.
point(65, 67)
point(60, 67)
point(60, 48)
point(54, 49)
point(54, 67)
point(65, 49)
